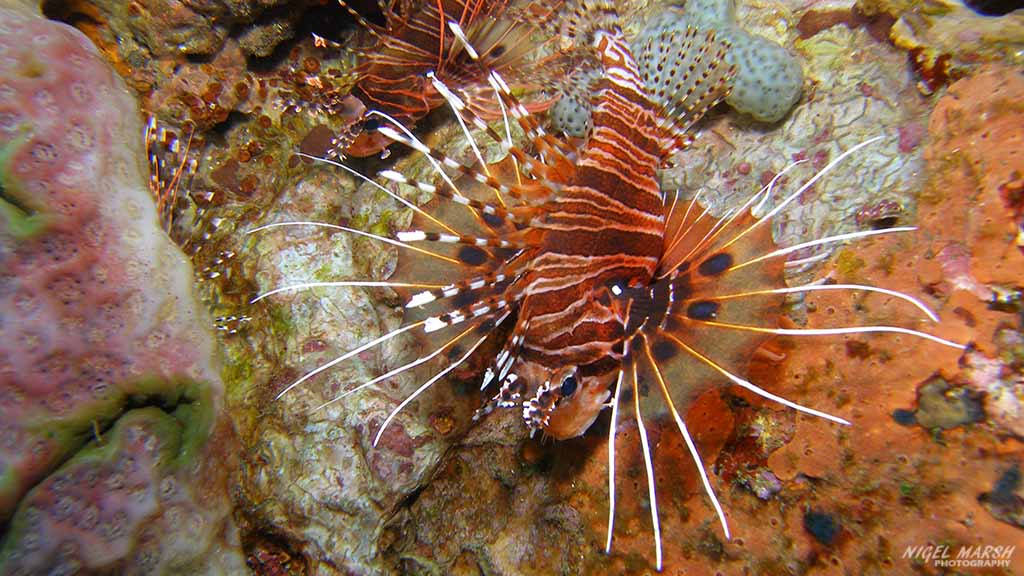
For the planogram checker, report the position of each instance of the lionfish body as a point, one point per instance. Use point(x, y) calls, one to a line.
point(603, 240)
point(605, 229)
point(619, 295)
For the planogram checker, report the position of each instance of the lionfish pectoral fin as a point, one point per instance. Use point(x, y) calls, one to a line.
point(612, 429)
point(500, 43)
point(552, 160)
point(713, 303)
point(650, 399)
point(666, 377)
point(479, 263)
point(461, 312)
point(638, 394)
point(481, 332)
point(518, 192)
point(471, 277)
point(670, 403)
point(662, 365)
point(698, 266)
point(375, 30)
point(726, 297)
point(457, 352)
point(554, 163)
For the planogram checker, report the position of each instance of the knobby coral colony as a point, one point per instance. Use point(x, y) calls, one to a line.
point(617, 294)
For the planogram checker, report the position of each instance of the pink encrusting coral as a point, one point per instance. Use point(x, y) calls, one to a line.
point(97, 313)
point(129, 505)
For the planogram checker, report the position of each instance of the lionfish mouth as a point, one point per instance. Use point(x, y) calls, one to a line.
point(554, 259)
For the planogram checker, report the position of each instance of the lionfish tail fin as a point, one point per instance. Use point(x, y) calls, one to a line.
point(685, 74)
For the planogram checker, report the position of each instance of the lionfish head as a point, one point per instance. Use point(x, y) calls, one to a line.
point(560, 403)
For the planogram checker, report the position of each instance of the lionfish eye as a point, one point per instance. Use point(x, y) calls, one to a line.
point(371, 124)
point(497, 51)
point(568, 386)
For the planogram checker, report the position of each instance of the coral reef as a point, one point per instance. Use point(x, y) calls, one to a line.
point(533, 497)
point(310, 493)
point(99, 317)
point(571, 114)
point(858, 88)
point(948, 38)
point(341, 489)
point(129, 503)
point(975, 124)
point(161, 28)
point(110, 486)
point(768, 83)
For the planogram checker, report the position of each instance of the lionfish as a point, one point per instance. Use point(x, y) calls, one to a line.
point(392, 75)
point(181, 208)
point(604, 290)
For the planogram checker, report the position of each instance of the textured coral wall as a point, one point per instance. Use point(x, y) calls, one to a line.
point(111, 395)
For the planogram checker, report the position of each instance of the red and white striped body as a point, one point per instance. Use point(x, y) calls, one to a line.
point(606, 228)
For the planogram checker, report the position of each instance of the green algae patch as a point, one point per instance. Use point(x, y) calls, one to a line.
point(151, 440)
point(82, 419)
point(849, 264)
point(383, 225)
point(10, 489)
point(19, 222)
point(238, 374)
point(188, 402)
point(23, 219)
point(941, 406)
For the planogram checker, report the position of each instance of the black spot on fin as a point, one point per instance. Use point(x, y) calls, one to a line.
point(702, 310)
point(716, 264)
point(493, 220)
point(464, 298)
point(472, 255)
point(664, 350)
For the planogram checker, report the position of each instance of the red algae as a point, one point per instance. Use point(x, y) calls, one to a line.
point(814, 21)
